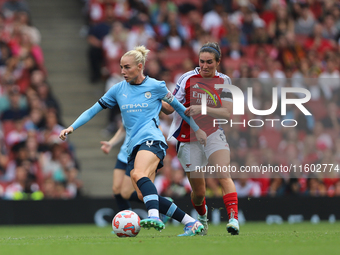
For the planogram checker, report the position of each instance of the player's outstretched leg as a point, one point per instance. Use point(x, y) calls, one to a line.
point(192, 227)
point(164, 217)
point(202, 210)
point(134, 197)
point(151, 202)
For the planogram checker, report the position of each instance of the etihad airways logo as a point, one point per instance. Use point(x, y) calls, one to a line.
point(130, 108)
point(134, 106)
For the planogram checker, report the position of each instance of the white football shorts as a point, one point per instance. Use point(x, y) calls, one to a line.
point(194, 155)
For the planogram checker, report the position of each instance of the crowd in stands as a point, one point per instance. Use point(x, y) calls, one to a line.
point(34, 164)
point(265, 43)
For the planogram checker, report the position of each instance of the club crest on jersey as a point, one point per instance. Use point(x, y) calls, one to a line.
point(148, 94)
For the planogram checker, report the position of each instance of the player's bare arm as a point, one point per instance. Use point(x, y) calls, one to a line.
point(167, 108)
point(116, 139)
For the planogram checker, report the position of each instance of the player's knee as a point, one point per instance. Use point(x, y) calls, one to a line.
point(136, 175)
point(115, 189)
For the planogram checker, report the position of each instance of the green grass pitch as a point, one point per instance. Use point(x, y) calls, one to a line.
point(255, 238)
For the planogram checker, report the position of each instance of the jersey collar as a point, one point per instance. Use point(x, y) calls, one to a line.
point(146, 77)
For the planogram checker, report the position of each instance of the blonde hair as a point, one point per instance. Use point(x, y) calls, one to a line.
point(140, 54)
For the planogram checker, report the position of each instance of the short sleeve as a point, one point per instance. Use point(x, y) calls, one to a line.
point(226, 93)
point(161, 90)
point(179, 91)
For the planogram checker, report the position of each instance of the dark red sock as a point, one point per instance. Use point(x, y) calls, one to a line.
point(231, 202)
point(200, 208)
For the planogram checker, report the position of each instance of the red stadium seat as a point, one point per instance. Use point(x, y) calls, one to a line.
point(250, 51)
point(176, 73)
point(301, 135)
point(2, 2)
point(235, 64)
point(171, 59)
point(7, 126)
point(197, 3)
point(232, 63)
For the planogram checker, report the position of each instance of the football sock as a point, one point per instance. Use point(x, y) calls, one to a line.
point(169, 209)
point(122, 203)
point(134, 197)
point(150, 196)
point(187, 219)
point(231, 204)
point(200, 208)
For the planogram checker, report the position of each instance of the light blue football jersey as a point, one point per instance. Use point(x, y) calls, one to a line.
point(140, 106)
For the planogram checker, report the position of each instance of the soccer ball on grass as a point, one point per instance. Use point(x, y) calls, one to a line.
point(126, 224)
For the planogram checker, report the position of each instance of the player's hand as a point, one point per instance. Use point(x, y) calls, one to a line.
point(193, 110)
point(201, 137)
point(65, 132)
point(106, 147)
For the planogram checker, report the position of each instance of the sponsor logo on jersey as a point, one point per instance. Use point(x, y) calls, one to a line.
point(212, 99)
point(132, 106)
point(212, 96)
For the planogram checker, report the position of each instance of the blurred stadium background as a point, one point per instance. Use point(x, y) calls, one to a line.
point(58, 57)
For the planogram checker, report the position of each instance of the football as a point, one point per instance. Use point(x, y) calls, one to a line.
point(126, 224)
